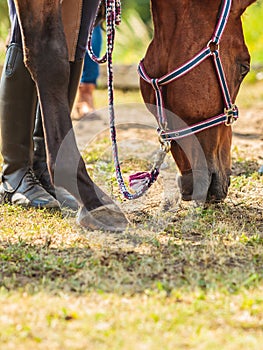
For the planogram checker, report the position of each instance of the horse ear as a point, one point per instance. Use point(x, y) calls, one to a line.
point(240, 5)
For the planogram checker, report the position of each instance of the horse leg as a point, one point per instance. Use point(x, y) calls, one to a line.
point(46, 56)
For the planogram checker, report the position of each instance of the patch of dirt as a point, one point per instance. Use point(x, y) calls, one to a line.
point(248, 134)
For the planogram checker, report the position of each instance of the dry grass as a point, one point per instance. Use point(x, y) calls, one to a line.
point(191, 278)
point(185, 285)
point(184, 282)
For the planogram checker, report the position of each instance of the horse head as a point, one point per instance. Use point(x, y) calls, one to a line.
point(182, 28)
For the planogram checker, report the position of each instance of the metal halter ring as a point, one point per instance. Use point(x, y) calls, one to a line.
point(213, 46)
point(230, 115)
point(165, 144)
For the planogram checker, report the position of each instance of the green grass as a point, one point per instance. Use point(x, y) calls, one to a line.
point(132, 39)
point(187, 279)
point(183, 284)
point(141, 322)
point(254, 32)
point(4, 25)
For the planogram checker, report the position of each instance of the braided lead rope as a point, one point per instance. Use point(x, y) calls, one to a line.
point(143, 180)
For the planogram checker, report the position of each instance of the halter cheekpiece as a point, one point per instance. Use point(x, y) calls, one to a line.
point(230, 113)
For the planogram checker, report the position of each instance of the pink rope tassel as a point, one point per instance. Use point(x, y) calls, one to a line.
point(143, 179)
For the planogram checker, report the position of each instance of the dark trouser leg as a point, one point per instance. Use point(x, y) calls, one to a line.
point(39, 163)
point(17, 115)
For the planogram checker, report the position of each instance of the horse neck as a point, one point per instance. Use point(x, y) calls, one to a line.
point(163, 15)
point(181, 29)
point(193, 18)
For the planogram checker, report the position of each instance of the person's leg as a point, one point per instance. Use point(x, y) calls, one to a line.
point(84, 104)
point(39, 163)
point(90, 72)
point(69, 20)
point(17, 116)
point(29, 100)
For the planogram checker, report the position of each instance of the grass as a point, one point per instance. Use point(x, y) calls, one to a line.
point(187, 279)
point(253, 31)
point(95, 321)
point(185, 284)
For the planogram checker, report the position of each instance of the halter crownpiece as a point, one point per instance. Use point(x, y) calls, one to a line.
point(230, 113)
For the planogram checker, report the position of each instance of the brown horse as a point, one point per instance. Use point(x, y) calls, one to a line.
point(181, 29)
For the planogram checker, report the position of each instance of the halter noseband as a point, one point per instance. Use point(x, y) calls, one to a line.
point(230, 113)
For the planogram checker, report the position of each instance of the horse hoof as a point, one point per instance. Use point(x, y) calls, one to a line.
point(107, 218)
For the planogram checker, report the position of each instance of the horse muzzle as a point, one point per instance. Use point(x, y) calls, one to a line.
point(203, 186)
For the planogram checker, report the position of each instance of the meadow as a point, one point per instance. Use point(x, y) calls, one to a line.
point(181, 277)
point(185, 279)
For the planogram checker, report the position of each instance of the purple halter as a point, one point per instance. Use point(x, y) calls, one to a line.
point(230, 113)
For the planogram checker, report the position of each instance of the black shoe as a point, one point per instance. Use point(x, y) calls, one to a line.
point(29, 193)
point(66, 200)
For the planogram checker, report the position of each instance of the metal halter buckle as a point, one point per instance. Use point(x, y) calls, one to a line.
point(165, 144)
point(230, 115)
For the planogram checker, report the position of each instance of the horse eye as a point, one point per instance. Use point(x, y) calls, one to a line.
point(244, 69)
